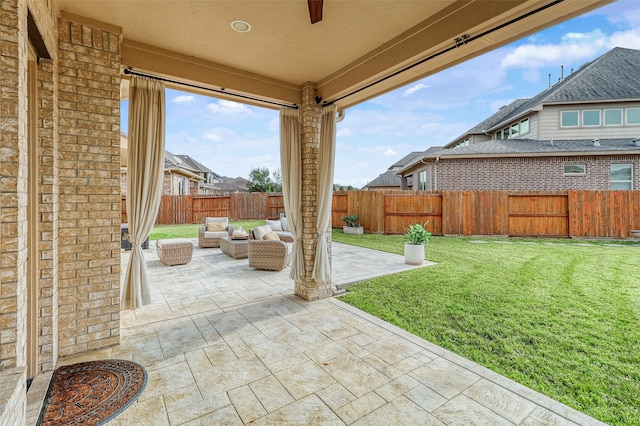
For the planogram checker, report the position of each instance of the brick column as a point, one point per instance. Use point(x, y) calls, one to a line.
point(89, 166)
point(310, 116)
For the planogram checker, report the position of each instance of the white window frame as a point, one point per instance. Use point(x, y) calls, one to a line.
point(570, 173)
point(528, 126)
point(627, 117)
point(422, 180)
point(570, 111)
point(591, 110)
point(629, 181)
point(604, 117)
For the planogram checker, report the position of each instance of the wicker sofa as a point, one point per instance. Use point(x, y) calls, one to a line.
point(271, 255)
point(207, 238)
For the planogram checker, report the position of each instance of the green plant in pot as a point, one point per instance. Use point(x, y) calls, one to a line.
point(353, 225)
point(414, 249)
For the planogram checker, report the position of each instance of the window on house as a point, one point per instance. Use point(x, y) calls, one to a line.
point(499, 135)
point(591, 117)
point(633, 115)
point(613, 117)
point(181, 189)
point(569, 119)
point(462, 143)
point(574, 169)
point(621, 176)
point(422, 181)
point(506, 132)
point(524, 126)
point(515, 129)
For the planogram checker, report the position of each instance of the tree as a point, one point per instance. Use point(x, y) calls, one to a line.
point(277, 180)
point(259, 180)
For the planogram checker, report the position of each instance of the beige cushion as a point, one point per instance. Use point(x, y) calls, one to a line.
point(285, 224)
point(271, 236)
point(260, 231)
point(216, 227)
point(219, 234)
point(274, 224)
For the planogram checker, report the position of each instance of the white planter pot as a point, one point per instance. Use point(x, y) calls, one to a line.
point(355, 230)
point(413, 254)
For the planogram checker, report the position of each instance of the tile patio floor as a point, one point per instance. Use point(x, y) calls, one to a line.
point(227, 345)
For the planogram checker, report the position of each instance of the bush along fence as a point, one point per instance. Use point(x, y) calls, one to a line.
point(563, 214)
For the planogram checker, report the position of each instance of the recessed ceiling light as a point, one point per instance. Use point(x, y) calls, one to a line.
point(241, 26)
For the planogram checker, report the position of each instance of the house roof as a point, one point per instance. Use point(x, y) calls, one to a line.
point(405, 160)
point(388, 178)
point(194, 164)
point(532, 148)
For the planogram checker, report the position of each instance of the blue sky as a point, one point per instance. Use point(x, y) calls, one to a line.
point(232, 138)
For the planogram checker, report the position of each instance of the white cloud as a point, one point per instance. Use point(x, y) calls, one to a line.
point(413, 89)
point(621, 12)
point(629, 39)
point(344, 132)
point(182, 99)
point(390, 152)
point(228, 108)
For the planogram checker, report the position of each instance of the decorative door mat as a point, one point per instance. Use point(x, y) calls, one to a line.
point(92, 393)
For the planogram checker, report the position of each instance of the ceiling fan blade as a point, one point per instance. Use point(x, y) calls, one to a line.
point(315, 10)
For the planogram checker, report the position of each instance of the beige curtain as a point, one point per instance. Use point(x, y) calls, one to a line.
point(145, 170)
point(326, 154)
point(291, 166)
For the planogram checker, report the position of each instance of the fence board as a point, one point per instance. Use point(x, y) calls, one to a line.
point(485, 213)
point(369, 205)
point(540, 215)
point(604, 213)
point(210, 206)
point(339, 207)
point(249, 205)
point(275, 206)
point(402, 210)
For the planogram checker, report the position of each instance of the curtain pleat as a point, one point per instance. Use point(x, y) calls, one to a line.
point(145, 170)
point(326, 154)
point(291, 166)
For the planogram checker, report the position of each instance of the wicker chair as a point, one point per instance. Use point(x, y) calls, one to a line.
point(271, 255)
point(208, 239)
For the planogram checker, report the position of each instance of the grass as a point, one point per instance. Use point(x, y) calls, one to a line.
point(191, 230)
point(560, 319)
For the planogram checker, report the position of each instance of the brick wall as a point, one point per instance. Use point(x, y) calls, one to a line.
point(89, 164)
point(538, 173)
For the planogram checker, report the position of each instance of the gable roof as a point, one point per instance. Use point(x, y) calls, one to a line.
point(405, 160)
point(388, 178)
point(193, 164)
point(533, 148)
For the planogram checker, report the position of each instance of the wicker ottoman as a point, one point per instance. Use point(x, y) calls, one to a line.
point(238, 249)
point(174, 251)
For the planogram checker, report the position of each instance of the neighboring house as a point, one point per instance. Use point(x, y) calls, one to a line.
point(389, 179)
point(229, 185)
point(182, 175)
point(581, 133)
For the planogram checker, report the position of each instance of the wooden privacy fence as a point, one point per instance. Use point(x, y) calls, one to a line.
point(594, 214)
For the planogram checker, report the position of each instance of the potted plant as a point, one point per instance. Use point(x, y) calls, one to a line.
point(418, 236)
point(353, 225)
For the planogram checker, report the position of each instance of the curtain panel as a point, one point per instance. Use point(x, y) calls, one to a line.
point(326, 155)
point(145, 170)
point(291, 166)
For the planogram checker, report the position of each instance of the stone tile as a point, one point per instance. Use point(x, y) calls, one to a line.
point(224, 416)
point(148, 357)
point(271, 393)
point(304, 379)
point(239, 347)
point(360, 407)
point(355, 374)
point(197, 360)
point(542, 416)
point(336, 396)
point(397, 387)
point(178, 337)
point(325, 353)
point(393, 349)
point(167, 379)
point(277, 357)
point(509, 405)
point(246, 404)
point(230, 375)
point(445, 377)
point(387, 369)
point(149, 412)
point(414, 361)
point(464, 410)
point(182, 398)
point(198, 409)
point(307, 411)
point(399, 411)
point(219, 353)
point(426, 398)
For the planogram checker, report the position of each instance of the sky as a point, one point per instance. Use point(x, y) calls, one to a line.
point(232, 138)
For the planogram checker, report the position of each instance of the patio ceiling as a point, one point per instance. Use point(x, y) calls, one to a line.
point(353, 54)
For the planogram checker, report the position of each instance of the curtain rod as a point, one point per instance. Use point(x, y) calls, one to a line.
point(130, 71)
point(459, 41)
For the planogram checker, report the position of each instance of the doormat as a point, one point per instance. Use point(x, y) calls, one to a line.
point(92, 393)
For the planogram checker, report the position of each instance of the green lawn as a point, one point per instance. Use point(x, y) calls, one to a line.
point(191, 230)
point(561, 319)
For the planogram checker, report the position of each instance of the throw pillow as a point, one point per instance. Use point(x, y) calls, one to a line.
point(216, 227)
point(285, 224)
point(275, 225)
point(260, 231)
point(271, 236)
